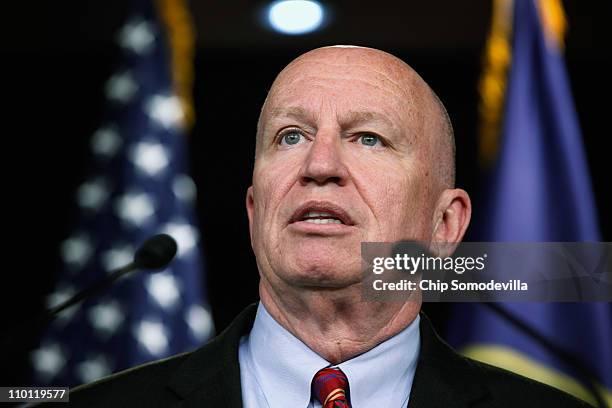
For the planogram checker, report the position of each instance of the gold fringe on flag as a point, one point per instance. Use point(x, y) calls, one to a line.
point(496, 64)
point(554, 22)
point(181, 40)
point(492, 86)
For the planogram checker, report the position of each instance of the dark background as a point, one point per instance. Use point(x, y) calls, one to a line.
point(56, 57)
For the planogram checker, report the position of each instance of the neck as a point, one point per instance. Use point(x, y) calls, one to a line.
point(337, 324)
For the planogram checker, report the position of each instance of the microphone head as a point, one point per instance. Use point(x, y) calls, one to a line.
point(156, 252)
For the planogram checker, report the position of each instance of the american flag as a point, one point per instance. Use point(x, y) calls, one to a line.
point(137, 186)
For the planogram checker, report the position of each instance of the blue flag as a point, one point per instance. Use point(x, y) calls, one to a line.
point(539, 190)
point(137, 186)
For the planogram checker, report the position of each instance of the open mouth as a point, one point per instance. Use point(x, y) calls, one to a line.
point(315, 217)
point(321, 213)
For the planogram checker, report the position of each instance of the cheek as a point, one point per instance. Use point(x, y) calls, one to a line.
point(397, 197)
point(414, 207)
point(271, 182)
point(397, 209)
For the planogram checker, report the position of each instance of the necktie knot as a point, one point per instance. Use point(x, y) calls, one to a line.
point(330, 387)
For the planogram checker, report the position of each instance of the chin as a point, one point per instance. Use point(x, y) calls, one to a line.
point(324, 271)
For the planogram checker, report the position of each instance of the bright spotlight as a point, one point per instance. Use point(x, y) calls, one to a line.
point(295, 16)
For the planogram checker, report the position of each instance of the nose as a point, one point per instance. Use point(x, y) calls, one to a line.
point(324, 163)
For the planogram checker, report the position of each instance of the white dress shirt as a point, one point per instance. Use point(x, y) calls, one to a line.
point(276, 368)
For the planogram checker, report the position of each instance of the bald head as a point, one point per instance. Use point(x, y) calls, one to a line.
point(423, 112)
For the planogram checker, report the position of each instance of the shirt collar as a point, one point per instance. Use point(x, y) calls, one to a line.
point(384, 374)
point(282, 362)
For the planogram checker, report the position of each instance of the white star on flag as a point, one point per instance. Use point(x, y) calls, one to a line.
point(77, 250)
point(117, 257)
point(121, 87)
point(151, 158)
point(137, 36)
point(48, 360)
point(135, 208)
point(152, 336)
point(56, 298)
point(106, 141)
point(93, 194)
point(163, 287)
point(93, 368)
point(165, 110)
point(184, 188)
point(106, 317)
point(59, 296)
point(200, 322)
point(186, 236)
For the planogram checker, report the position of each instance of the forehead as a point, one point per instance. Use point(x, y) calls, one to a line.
point(348, 80)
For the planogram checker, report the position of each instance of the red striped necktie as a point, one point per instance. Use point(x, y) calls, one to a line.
point(330, 386)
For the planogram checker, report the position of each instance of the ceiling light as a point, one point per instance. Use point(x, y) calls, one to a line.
point(295, 16)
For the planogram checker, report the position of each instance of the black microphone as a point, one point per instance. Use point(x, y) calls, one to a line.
point(154, 254)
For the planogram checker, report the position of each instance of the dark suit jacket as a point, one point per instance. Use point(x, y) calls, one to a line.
point(210, 377)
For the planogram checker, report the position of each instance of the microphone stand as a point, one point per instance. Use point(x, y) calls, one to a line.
point(25, 328)
point(155, 253)
point(91, 291)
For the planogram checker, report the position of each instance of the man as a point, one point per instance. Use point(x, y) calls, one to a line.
point(352, 146)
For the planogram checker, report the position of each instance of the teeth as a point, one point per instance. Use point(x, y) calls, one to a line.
point(323, 221)
point(313, 214)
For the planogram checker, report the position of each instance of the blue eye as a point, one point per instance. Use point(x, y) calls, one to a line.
point(369, 139)
point(291, 138)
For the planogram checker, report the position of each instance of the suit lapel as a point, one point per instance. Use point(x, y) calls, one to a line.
point(210, 376)
point(443, 378)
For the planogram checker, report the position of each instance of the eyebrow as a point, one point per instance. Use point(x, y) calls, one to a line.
point(294, 112)
point(356, 118)
point(352, 118)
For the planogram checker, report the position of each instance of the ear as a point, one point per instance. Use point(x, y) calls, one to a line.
point(250, 206)
point(451, 219)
